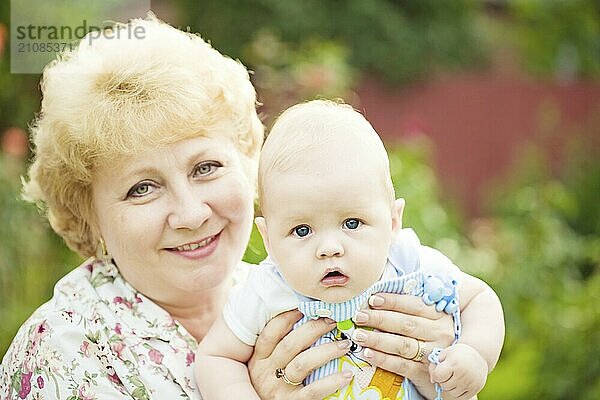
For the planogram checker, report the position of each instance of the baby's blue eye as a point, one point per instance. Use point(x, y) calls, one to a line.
point(301, 230)
point(351, 223)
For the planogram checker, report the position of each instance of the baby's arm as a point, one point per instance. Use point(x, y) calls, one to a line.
point(221, 371)
point(464, 367)
point(482, 319)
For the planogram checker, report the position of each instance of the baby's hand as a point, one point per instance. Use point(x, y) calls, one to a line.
point(461, 373)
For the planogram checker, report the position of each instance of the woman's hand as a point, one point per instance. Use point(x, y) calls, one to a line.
point(402, 320)
point(279, 347)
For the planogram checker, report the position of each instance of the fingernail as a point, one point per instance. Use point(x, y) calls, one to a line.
point(348, 374)
point(376, 301)
point(368, 353)
point(343, 344)
point(361, 317)
point(329, 321)
point(359, 335)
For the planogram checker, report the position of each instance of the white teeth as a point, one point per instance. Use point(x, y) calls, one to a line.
point(194, 246)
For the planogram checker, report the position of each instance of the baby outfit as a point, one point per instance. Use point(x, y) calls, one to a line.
point(265, 294)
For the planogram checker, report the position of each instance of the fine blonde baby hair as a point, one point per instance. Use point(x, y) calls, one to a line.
point(306, 127)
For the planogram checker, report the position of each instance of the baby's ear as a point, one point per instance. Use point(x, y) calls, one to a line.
point(261, 224)
point(397, 211)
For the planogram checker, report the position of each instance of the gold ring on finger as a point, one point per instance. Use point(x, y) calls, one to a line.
point(420, 351)
point(280, 373)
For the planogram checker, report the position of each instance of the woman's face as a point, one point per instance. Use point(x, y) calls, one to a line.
point(175, 219)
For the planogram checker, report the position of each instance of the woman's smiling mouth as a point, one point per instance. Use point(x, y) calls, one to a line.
point(196, 250)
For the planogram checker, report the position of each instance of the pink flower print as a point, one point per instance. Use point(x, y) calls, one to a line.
point(117, 328)
point(25, 385)
point(138, 299)
point(156, 356)
point(85, 392)
point(190, 358)
point(121, 300)
point(117, 347)
point(30, 363)
point(112, 376)
point(40, 382)
point(84, 348)
point(40, 331)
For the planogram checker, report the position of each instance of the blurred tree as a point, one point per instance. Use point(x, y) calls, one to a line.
point(399, 40)
point(544, 261)
point(559, 38)
point(32, 257)
point(18, 95)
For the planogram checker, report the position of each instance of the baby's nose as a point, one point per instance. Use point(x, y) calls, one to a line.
point(330, 248)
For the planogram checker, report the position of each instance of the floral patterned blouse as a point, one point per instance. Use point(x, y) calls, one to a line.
point(98, 338)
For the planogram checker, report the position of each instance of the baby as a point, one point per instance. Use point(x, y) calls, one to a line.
point(332, 228)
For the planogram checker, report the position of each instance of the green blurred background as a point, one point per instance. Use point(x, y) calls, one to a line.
point(506, 183)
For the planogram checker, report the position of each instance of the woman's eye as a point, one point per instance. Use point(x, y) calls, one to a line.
point(301, 230)
point(206, 168)
point(140, 190)
point(351, 223)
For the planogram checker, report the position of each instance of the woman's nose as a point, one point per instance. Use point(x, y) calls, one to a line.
point(189, 210)
point(330, 247)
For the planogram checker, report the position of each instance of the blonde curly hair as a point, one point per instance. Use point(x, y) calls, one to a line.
point(117, 95)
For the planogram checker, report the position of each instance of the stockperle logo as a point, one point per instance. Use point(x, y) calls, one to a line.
point(40, 30)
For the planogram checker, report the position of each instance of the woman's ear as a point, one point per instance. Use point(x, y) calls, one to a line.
point(261, 224)
point(397, 211)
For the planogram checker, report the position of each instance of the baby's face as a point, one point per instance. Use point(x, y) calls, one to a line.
point(329, 229)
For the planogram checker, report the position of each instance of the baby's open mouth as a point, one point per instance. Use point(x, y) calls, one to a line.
point(334, 278)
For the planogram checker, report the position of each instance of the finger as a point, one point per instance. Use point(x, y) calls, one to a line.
point(311, 359)
point(406, 325)
point(443, 354)
point(458, 386)
point(389, 343)
point(395, 364)
point(458, 394)
point(442, 373)
point(274, 332)
point(467, 395)
point(326, 386)
point(431, 368)
point(449, 386)
point(411, 305)
point(300, 339)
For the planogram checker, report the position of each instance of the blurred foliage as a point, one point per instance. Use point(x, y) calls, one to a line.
point(542, 245)
point(398, 40)
point(285, 75)
point(32, 257)
point(18, 96)
point(560, 38)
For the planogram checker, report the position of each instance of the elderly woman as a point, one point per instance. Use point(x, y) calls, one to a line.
point(146, 154)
